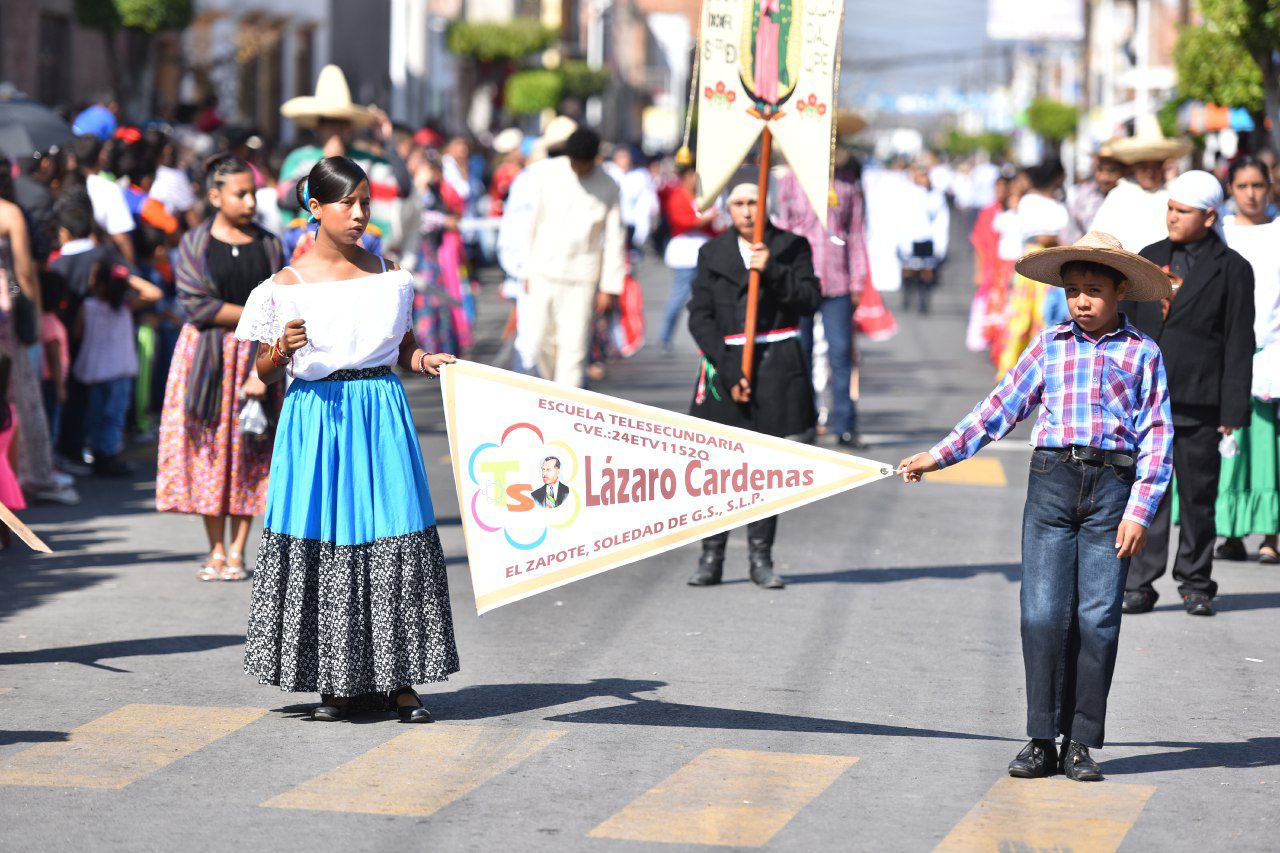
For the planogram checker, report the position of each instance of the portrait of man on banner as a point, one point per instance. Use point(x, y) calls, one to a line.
point(553, 493)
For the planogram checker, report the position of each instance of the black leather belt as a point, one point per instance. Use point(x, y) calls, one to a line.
point(1095, 456)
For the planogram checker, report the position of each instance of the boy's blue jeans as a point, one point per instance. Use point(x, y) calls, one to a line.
point(108, 405)
point(1072, 590)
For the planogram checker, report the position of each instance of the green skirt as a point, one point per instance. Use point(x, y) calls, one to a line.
point(1249, 484)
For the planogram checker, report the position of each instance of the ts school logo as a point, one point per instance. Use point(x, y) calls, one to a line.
point(557, 484)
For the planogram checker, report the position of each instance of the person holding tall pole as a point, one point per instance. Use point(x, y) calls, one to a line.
point(754, 285)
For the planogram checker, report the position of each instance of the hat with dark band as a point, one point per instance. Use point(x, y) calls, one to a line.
point(1147, 282)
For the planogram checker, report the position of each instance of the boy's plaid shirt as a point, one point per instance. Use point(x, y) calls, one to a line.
point(1109, 394)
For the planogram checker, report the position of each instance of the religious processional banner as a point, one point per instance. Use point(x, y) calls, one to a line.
point(773, 62)
point(556, 484)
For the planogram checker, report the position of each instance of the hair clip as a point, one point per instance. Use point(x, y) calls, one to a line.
point(306, 200)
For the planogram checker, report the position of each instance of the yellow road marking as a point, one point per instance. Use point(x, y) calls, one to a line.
point(980, 471)
point(727, 796)
point(124, 746)
point(418, 773)
point(1049, 814)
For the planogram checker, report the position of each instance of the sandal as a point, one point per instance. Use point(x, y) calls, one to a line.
point(408, 713)
point(211, 571)
point(234, 573)
point(1268, 555)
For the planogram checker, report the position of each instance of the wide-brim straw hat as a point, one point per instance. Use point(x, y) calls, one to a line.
point(556, 133)
point(508, 140)
point(849, 123)
point(1147, 282)
point(332, 100)
point(1148, 145)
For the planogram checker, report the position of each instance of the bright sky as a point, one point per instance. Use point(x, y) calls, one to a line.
point(877, 29)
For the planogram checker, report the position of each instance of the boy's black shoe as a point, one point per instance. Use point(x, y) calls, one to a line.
point(1138, 601)
point(111, 466)
point(1039, 758)
point(1231, 549)
point(1077, 763)
point(1197, 604)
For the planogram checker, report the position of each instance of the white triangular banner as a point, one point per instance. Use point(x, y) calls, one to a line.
point(556, 484)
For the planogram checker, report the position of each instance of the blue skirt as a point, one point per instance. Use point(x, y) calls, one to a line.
point(350, 594)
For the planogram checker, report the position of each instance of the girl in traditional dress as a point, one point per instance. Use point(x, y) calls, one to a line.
point(205, 466)
point(350, 596)
point(1041, 221)
point(1249, 485)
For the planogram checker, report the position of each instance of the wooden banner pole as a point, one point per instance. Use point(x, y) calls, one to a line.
point(11, 521)
point(757, 236)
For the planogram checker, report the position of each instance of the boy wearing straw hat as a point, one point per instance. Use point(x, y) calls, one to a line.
point(1101, 465)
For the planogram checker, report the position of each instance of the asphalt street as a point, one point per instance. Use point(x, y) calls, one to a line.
point(871, 705)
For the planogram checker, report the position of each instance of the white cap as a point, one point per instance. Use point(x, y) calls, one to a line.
point(746, 190)
point(1197, 189)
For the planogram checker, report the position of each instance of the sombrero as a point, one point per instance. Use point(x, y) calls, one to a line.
point(1147, 282)
point(1149, 144)
point(849, 123)
point(332, 100)
point(556, 133)
point(508, 140)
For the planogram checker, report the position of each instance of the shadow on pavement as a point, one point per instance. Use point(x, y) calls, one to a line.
point(1011, 571)
point(8, 737)
point(31, 578)
point(486, 701)
point(1235, 601)
point(645, 712)
point(93, 653)
point(1254, 752)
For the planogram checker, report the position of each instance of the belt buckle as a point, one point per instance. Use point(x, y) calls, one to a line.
point(1077, 455)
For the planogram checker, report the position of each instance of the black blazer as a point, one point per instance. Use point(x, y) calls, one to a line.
point(1207, 339)
point(782, 394)
point(540, 495)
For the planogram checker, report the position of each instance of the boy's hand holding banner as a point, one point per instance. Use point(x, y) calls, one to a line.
point(556, 483)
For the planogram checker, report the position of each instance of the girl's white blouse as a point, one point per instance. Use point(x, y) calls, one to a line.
point(352, 324)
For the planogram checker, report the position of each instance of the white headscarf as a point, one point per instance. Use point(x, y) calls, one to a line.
point(1197, 189)
point(748, 191)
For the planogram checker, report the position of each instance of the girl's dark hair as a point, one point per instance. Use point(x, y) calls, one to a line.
point(330, 180)
point(222, 166)
point(109, 284)
point(1045, 175)
point(1248, 162)
point(6, 416)
point(6, 178)
point(1092, 268)
point(53, 290)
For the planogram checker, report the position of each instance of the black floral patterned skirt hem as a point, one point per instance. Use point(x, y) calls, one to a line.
point(344, 620)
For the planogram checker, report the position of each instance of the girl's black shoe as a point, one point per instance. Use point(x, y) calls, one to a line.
point(331, 709)
point(408, 713)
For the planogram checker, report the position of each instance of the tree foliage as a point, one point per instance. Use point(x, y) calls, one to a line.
point(1232, 59)
point(492, 40)
point(583, 81)
point(1215, 68)
point(1052, 120)
point(531, 92)
point(147, 16)
point(956, 143)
